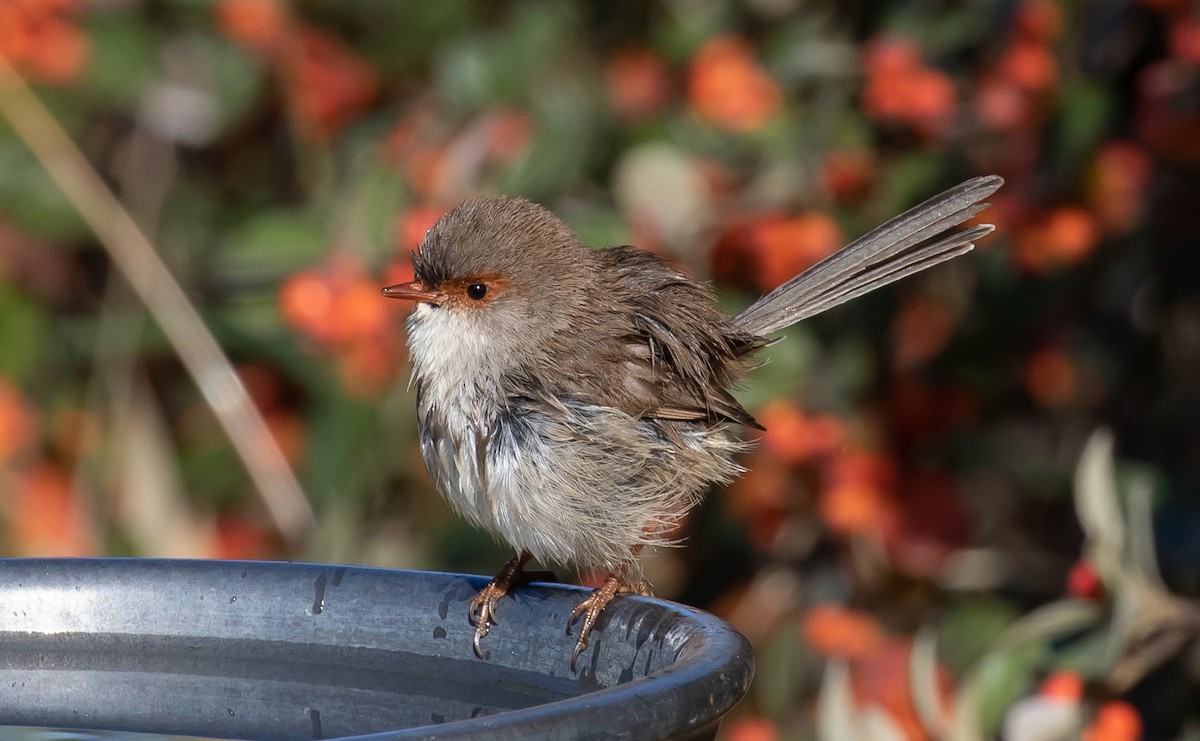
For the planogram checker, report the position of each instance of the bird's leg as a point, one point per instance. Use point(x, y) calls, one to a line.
point(592, 605)
point(483, 607)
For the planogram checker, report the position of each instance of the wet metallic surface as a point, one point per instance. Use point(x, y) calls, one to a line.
point(308, 651)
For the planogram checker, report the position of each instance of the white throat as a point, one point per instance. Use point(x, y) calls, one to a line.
point(452, 360)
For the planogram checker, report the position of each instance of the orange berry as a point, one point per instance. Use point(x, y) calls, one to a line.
point(921, 329)
point(786, 246)
point(306, 301)
point(1117, 187)
point(1116, 720)
point(1083, 582)
point(359, 313)
point(1051, 377)
point(331, 84)
point(638, 82)
point(856, 496)
point(890, 55)
point(18, 421)
point(59, 53)
point(729, 89)
point(41, 41)
point(900, 90)
point(847, 175)
point(240, 539)
point(794, 437)
point(854, 508)
point(930, 101)
point(750, 729)
point(1065, 237)
point(1039, 20)
point(1030, 65)
point(1071, 233)
point(1064, 686)
point(832, 630)
point(1001, 105)
point(259, 25)
point(43, 516)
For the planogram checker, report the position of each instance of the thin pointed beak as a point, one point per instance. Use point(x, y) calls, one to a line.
point(414, 291)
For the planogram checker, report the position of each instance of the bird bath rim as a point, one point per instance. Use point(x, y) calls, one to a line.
point(653, 669)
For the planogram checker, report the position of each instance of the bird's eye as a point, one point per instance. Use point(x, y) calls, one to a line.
point(476, 291)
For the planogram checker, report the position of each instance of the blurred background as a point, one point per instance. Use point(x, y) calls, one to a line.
point(974, 512)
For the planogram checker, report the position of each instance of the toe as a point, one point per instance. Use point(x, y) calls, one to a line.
point(481, 632)
point(580, 645)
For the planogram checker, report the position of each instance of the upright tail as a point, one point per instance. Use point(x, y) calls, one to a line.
point(889, 252)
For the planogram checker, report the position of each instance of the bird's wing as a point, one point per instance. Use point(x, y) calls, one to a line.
point(679, 353)
point(725, 408)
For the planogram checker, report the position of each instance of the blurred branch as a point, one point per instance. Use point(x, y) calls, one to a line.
point(166, 301)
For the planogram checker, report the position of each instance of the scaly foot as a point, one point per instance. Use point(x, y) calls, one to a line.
point(592, 605)
point(482, 613)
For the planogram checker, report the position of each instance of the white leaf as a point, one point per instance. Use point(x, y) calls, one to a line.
point(835, 705)
point(923, 676)
point(1098, 507)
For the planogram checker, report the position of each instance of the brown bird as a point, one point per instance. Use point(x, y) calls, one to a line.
point(576, 402)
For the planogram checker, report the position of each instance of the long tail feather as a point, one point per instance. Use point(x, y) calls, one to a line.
point(881, 256)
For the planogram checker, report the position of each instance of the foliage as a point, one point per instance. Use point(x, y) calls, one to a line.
point(909, 515)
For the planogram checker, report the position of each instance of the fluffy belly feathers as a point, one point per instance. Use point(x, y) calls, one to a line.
point(530, 476)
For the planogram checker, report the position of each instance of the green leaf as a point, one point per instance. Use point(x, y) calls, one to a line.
point(124, 58)
point(1000, 676)
point(24, 326)
point(1084, 115)
point(274, 242)
point(237, 80)
point(780, 673)
point(31, 200)
point(789, 364)
point(911, 178)
point(969, 626)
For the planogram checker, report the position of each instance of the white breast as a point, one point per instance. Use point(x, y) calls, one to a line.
point(456, 406)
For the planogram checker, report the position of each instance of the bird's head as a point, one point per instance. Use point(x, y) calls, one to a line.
point(498, 281)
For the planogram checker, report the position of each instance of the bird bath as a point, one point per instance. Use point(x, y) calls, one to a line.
point(306, 651)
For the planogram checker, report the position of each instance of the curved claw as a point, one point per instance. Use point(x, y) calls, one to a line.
point(592, 605)
point(481, 631)
point(482, 613)
point(584, 630)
